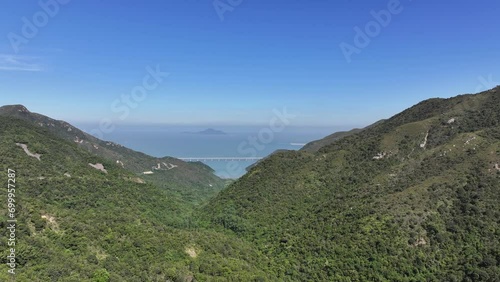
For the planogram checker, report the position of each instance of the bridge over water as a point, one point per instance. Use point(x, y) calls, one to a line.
point(210, 159)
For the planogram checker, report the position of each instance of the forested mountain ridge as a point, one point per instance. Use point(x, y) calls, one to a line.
point(413, 198)
point(81, 217)
point(194, 182)
point(314, 146)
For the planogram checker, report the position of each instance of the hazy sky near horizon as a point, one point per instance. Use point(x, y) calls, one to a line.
point(235, 64)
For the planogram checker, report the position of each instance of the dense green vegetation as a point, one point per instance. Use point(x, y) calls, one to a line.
point(314, 146)
point(187, 180)
point(382, 204)
point(411, 198)
point(91, 226)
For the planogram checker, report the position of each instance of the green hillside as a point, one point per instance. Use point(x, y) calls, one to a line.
point(314, 146)
point(412, 198)
point(79, 223)
point(191, 181)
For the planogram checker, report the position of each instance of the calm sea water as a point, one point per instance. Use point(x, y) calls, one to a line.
point(175, 142)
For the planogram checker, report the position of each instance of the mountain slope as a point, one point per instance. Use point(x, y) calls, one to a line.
point(77, 222)
point(314, 146)
point(412, 198)
point(193, 182)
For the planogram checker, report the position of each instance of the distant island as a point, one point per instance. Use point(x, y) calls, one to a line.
point(209, 131)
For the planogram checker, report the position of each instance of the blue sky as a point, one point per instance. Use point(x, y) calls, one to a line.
point(235, 69)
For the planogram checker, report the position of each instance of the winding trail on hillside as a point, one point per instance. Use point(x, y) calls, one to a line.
point(25, 148)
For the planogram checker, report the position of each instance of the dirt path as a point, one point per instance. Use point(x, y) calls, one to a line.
point(25, 148)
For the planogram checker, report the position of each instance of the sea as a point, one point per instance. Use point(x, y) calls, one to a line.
point(239, 142)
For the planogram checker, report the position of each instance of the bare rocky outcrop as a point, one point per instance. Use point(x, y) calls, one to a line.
point(420, 242)
point(51, 222)
point(99, 166)
point(168, 166)
point(191, 252)
point(25, 148)
point(425, 141)
point(380, 156)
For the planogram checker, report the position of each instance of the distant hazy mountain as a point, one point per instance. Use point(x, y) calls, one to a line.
point(412, 198)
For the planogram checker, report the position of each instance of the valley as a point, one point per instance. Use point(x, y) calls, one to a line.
point(371, 204)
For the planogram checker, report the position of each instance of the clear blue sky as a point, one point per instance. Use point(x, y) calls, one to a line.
point(264, 54)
